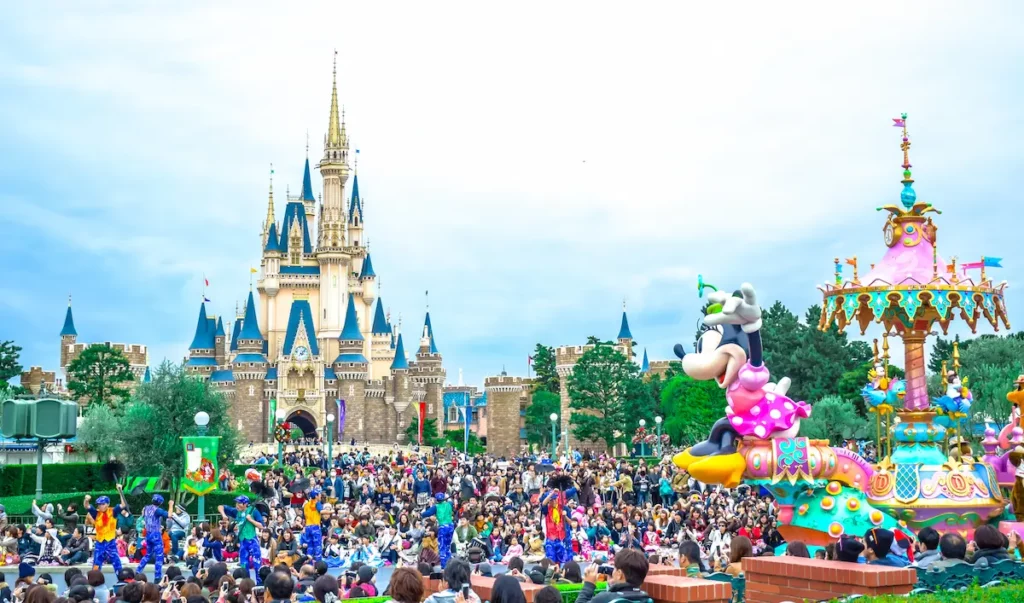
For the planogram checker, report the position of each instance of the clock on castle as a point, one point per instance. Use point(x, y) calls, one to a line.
point(317, 340)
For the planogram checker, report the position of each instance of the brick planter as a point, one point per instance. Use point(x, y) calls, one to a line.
point(665, 588)
point(781, 579)
point(484, 586)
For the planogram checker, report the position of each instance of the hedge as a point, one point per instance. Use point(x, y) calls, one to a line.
point(18, 480)
point(22, 505)
point(570, 592)
point(1002, 593)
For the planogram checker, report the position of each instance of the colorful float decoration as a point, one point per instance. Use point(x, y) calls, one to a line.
point(826, 491)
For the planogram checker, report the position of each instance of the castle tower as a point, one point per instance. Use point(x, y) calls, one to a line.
point(220, 343)
point(355, 215)
point(202, 357)
point(400, 395)
point(367, 294)
point(350, 367)
point(336, 263)
point(271, 221)
point(249, 412)
point(68, 336)
point(381, 352)
point(506, 397)
point(429, 373)
point(270, 264)
point(625, 336)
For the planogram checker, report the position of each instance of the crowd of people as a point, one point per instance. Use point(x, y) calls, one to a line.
point(533, 518)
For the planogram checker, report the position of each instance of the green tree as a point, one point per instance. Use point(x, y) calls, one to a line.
point(852, 382)
point(691, 408)
point(161, 413)
point(9, 366)
point(430, 434)
point(538, 418)
point(546, 377)
point(455, 439)
point(100, 431)
point(835, 420)
point(100, 375)
point(603, 388)
point(780, 335)
point(991, 365)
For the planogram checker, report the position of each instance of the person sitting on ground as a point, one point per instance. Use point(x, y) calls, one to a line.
point(991, 546)
point(456, 574)
point(952, 550)
point(848, 549)
point(797, 549)
point(927, 548)
point(879, 548)
point(624, 583)
point(739, 547)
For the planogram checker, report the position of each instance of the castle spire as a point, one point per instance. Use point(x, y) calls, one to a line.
point(334, 137)
point(380, 322)
point(250, 327)
point(624, 332)
point(271, 215)
point(645, 366)
point(69, 323)
point(350, 332)
point(400, 362)
point(307, 184)
point(203, 339)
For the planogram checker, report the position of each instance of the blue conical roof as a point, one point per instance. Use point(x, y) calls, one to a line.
point(307, 184)
point(292, 212)
point(401, 362)
point(220, 328)
point(367, 271)
point(69, 324)
point(250, 326)
point(350, 332)
point(203, 339)
point(234, 335)
point(273, 244)
point(645, 366)
point(355, 206)
point(430, 334)
point(380, 322)
point(147, 378)
point(624, 329)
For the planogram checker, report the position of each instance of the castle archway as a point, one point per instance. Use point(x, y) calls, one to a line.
point(304, 421)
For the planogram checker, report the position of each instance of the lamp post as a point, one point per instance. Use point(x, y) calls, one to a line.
point(330, 441)
point(657, 421)
point(281, 414)
point(202, 421)
point(643, 445)
point(554, 438)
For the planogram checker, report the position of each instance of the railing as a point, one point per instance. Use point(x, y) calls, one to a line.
point(962, 575)
point(739, 584)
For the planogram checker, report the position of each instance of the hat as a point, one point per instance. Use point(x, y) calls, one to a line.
point(879, 540)
point(848, 549)
point(25, 570)
point(103, 500)
point(439, 496)
point(366, 573)
point(158, 500)
point(242, 500)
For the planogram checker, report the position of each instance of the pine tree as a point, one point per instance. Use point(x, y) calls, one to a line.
point(546, 377)
point(604, 388)
point(537, 420)
point(100, 375)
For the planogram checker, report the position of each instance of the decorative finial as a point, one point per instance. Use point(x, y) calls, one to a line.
point(426, 295)
point(307, 143)
point(69, 300)
point(623, 304)
point(908, 197)
point(876, 351)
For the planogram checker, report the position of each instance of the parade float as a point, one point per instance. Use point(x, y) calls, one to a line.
point(826, 491)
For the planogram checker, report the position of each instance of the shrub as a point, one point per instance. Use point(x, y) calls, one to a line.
point(1003, 593)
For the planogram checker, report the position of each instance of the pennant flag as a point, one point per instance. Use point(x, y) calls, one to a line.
point(984, 263)
point(851, 261)
point(253, 270)
point(357, 151)
point(206, 299)
point(207, 281)
point(529, 359)
point(899, 122)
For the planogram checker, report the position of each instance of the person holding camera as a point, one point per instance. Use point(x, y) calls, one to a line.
point(624, 582)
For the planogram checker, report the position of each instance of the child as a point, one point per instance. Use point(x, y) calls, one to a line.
point(581, 541)
point(230, 548)
point(652, 541)
point(514, 550)
point(334, 555)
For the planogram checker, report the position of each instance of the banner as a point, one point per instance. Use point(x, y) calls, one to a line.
point(341, 418)
point(423, 418)
point(469, 417)
point(200, 464)
point(271, 416)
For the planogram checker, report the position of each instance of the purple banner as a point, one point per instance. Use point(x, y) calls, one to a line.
point(341, 417)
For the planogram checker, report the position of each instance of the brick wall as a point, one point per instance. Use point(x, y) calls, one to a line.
point(663, 588)
point(780, 579)
point(503, 404)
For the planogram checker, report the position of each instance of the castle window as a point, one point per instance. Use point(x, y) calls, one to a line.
point(453, 414)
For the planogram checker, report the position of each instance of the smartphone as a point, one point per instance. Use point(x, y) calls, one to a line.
point(465, 592)
point(607, 570)
point(257, 592)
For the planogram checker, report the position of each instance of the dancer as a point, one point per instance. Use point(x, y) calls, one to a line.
point(557, 536)
point(151, 516)
point(105, 519)
point(445, 526)
point(311, 536)
point(248, 520)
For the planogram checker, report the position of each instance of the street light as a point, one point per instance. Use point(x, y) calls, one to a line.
point(657, 421)
point(330, 440)
point(554, 438)
point(643, 445)
point(202, 421)
point(281, 414)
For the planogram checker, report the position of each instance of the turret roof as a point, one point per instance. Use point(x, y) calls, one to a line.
point(293, 212)
point(645, 365)
point(380, 322)
point(350, 332)
point(300, 310)
point(219, 332)
point(69, 324)
point(400, 362)
point(147, 377)
point(203, 339)
point(367, 271)
point(273, 239)
point(355, 206)
point(430, 334)
point(250, 326)
point(307, 184)
point(235, 330)
point(624, 328)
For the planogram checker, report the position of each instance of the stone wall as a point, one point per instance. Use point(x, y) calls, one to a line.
point(35, 378)
point(504, 401)
point(247, 407)
point(352, 392)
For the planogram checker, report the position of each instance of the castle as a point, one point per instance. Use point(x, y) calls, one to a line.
point(318, 342)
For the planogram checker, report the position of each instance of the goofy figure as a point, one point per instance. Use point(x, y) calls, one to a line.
point(557, 534)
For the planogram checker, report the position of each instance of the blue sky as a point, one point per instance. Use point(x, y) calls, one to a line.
point(530, 167)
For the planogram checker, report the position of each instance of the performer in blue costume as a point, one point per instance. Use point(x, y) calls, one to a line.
point(445, 526)
point(104, 518)
point(151, 516)
point(557, 535)
point(311, 535)
point(249, 521)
